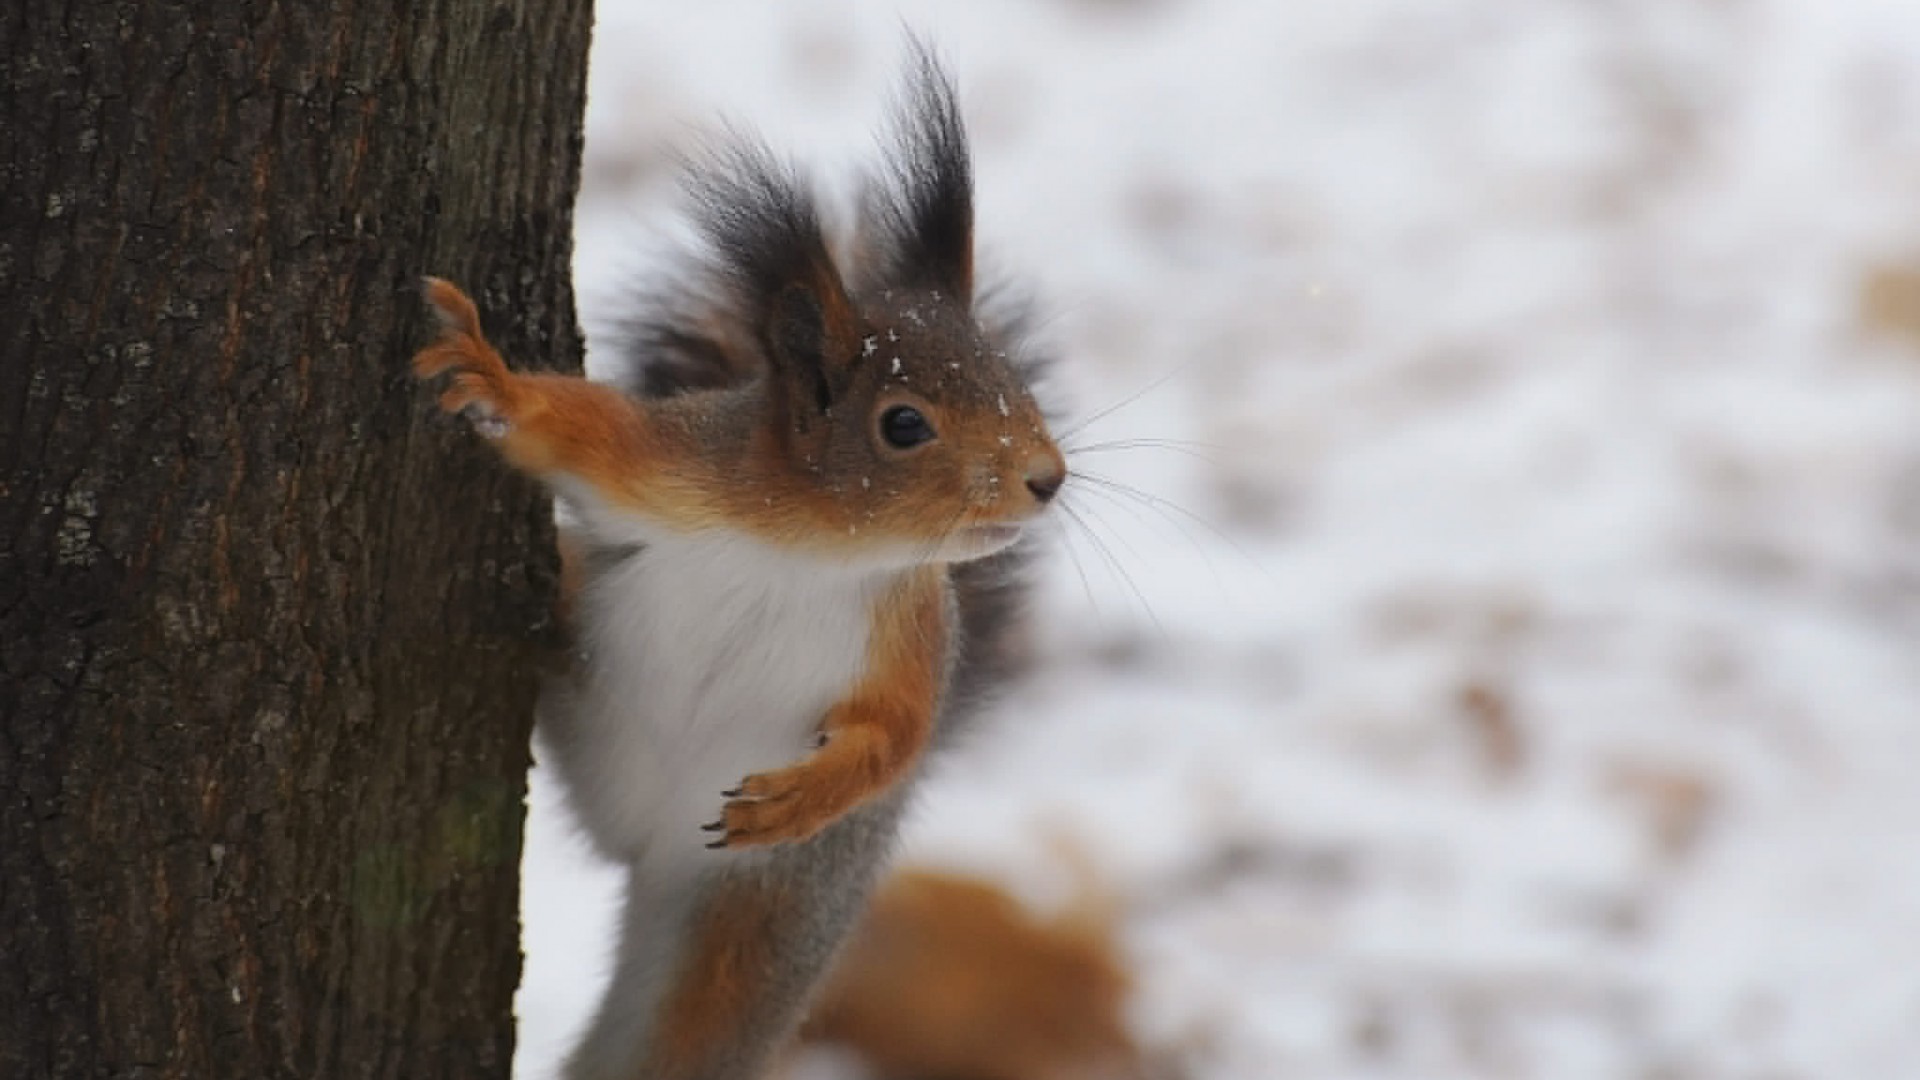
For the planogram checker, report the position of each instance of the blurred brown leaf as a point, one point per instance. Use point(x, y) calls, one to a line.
point(1677, 801)
point(1890, 301)
point(1497, 738)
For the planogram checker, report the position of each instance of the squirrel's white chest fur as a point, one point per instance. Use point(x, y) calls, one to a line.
point(710, 658)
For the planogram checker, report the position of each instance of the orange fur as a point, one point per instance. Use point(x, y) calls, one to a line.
point(948, 976)
point(726, 964)
point(870, 739)
point(562, 425)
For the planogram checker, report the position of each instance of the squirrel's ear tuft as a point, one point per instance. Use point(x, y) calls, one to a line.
point(922, 208)
point(766, 234)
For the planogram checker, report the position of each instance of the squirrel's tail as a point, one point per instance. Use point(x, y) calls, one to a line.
point(949, 976)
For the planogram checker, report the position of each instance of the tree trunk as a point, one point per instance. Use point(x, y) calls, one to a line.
point(269, 628)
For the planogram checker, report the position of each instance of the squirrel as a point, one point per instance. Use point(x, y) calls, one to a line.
point(795, 531)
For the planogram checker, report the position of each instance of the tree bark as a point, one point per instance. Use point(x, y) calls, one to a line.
point(269, 628)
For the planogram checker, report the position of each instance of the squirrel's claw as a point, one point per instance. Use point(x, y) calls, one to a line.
point(766, 808)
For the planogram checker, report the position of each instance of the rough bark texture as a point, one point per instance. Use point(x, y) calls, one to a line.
point(268, 627)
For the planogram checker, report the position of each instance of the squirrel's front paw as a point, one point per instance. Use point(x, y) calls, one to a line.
point(482, 389)
point(772, 808)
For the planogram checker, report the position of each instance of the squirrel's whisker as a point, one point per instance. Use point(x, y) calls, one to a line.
point(1150, 440)
point(1192, 450)
point(1117, 537)
point(1073, 559)
point(1156, 384)
point(1160, 520)
point(1115, 565)
point(1165, 506)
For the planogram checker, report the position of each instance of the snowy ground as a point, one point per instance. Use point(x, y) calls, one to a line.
point(1551, 705)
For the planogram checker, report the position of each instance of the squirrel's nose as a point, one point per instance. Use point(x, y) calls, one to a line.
point(1045, 474)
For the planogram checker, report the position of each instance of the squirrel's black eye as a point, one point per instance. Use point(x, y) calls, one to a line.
point(903, 427)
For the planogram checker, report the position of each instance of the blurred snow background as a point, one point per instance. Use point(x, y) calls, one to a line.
point(1538, 693)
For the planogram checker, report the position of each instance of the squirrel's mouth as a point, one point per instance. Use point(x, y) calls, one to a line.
point(980, 541)
point(994, 535)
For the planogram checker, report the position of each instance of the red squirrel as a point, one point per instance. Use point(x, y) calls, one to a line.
point(796, 536)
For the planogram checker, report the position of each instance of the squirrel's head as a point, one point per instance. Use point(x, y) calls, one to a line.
point(902, 427)
point(927, 440)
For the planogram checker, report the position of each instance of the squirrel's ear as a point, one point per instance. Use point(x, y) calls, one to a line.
point(923, 206)
point(809, 339)
point(763, 224)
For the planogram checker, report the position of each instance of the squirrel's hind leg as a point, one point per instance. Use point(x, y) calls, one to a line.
point(654, 927)
point(716, 966)
point(706, 986)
